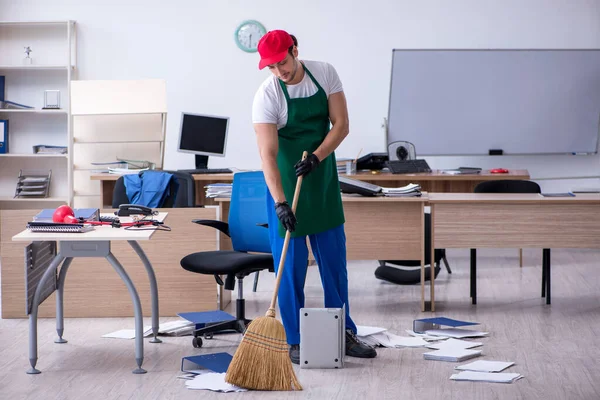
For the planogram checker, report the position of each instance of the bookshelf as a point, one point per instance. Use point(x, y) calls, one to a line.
point(53, 67)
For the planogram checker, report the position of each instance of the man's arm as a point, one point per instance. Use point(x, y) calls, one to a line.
point(268, 145)
point(338, 113)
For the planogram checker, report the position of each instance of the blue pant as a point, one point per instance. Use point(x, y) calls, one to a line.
point(329, 249)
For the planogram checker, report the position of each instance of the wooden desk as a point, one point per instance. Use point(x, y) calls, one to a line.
point(483, 220)
point(435, 181)
point(92, 280)
point(377, 228)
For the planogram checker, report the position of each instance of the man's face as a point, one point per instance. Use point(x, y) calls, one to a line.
point(285, 69)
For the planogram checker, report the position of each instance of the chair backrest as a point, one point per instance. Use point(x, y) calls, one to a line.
point(185, 196)
point(508, 186)
point(248, 209)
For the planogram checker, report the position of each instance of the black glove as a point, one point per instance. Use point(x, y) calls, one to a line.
point(303, 167)
point(286, 216)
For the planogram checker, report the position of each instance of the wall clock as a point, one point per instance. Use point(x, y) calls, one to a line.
point(247, 35)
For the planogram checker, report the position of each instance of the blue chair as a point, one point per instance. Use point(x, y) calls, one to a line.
point(247, 217)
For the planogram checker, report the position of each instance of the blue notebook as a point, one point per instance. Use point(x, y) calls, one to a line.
point(88, 214)
point(217, 362)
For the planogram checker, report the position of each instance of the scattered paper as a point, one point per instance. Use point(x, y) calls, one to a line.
point(502, 377)
point(122, 334)
point(485, 366)
point(454, 344)
point(212, 381)
point(456, 333)
point(452, 354)
point(425, 336)
point(368, 330)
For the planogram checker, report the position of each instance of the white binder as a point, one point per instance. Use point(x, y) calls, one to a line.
point(322, 337)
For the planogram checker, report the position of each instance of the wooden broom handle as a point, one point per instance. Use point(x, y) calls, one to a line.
point(286, 243)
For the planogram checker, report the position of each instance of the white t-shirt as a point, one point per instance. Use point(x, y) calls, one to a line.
point(270, 106)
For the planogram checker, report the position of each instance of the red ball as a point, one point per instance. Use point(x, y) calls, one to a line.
point(69, 219)
point(61, 212)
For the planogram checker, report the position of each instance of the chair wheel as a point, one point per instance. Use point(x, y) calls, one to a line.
point(208, 336)
point(381, 263)
point(197, 342)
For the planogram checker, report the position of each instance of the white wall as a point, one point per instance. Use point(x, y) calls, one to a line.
point(190, 44)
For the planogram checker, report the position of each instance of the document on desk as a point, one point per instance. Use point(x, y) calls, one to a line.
point(496, 377)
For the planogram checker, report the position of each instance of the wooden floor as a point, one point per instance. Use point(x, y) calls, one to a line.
point(555, 347)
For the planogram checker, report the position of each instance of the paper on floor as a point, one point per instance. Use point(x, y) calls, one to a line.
point(456, 333)
point(485, 366)
point(122, 334)
point(498, 377)
point(368, 330)
point(212, 381)
point(425, 336)
point(453, 344)
point(452, 354)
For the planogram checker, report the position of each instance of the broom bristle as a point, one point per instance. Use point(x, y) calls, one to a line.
point(261, 361)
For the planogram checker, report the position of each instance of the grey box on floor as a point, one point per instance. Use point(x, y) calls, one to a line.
point(322, 337)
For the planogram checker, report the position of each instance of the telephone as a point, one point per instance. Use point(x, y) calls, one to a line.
point(126, 210)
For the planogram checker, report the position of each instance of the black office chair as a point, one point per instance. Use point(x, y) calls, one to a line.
point(184, 196)
point(511, 186)
point(411, 276)
point(247, 216)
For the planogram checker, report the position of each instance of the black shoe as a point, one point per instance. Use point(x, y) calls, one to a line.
point(295, 353)
point(356, 348)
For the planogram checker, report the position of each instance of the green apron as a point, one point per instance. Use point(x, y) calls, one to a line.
point(320, 204)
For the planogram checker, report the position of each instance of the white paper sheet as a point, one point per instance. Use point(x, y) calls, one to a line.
point(425, 336)
point(456, 333)
point(454, 344)
point(368, 330)
point(485, 366)
point(498, 377)
point(212, 381)
point(452, 354)
point(122, 334)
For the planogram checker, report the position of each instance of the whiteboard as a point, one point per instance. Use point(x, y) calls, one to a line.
point(467, 102)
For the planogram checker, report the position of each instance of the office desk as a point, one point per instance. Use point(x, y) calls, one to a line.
point(435, 181)
point(377, 228)
point(485, 220)
point(96, 243)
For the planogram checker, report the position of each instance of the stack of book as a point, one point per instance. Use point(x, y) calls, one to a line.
point(410, 190)
point(218, 190)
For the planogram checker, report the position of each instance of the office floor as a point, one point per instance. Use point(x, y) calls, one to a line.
point(555, 347)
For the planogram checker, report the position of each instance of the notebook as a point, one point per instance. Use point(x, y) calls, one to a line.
point(59, 228)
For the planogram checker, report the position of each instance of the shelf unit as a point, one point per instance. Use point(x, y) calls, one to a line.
point(112, 120)
point(53, 67)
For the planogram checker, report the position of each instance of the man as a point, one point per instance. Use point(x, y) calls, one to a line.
point(292, 113)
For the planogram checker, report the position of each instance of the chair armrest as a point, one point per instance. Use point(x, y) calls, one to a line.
point(220, 225)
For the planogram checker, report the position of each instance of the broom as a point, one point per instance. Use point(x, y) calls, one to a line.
point(261, 361)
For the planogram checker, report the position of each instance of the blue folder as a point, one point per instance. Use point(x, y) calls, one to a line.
point(200, 319)
point(217, 362)
point(422, 325)
point(3, 136)
point(2, 89)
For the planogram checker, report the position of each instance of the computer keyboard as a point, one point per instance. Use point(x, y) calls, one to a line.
point(408, 166)
point(208, 171)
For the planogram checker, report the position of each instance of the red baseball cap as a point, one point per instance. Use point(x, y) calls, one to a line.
point(273, 47)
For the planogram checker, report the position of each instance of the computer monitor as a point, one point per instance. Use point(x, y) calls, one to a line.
point(204, 136)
